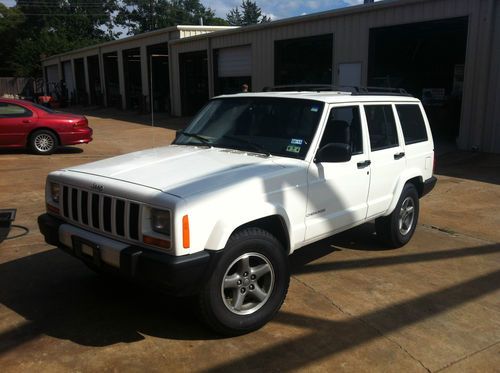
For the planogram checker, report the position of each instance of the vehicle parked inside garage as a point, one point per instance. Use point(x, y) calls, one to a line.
point(24, 124)
point(253, 178)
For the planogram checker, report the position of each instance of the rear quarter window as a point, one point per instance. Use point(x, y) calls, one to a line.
point(412, 123)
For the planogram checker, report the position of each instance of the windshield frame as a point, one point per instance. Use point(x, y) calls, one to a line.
point(315, 125)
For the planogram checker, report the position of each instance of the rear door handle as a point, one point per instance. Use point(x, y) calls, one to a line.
point(399, 155)
point(364, 164)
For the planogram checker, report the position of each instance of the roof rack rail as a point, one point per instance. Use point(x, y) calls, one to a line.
point(353, 90)
point(309, 87)
point(382, 91)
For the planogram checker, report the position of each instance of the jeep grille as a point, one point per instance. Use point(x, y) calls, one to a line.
point(103, 213)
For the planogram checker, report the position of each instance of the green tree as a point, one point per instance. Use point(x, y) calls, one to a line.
point(147, 15)
point(10, 21)
point(250, 14)
point(56, 26)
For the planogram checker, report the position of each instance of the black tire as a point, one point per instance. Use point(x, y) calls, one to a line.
point(43, 142)
point(218, 305)
point(396, 229)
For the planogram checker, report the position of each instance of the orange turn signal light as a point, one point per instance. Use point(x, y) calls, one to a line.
point(52, 209)
point(185, 232)
point(156, 241)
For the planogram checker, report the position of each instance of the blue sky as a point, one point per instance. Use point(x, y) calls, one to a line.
point(277, 9)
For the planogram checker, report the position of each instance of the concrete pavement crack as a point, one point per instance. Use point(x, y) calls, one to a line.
point(467, 357)
point(365, 322)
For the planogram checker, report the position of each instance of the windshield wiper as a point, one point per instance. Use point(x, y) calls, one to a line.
point(254, 146)
point(197, 137)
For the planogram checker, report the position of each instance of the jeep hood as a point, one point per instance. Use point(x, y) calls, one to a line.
point(183, 170)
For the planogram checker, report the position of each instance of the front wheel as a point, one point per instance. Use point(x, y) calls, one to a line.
point(43, 142)
point(248, 284)
point(397, 229)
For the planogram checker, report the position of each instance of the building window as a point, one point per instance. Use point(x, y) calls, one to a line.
point(304, 61)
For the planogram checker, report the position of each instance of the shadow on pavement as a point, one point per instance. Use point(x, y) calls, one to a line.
point(482, 167)
point(61, 298)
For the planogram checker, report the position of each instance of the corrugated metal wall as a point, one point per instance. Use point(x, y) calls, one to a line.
point(351, 28)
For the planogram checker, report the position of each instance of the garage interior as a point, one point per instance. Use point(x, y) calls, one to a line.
point(312, 65)
point(112, 81)
point(94, 80)
point(133, 79)
point(81, 91)
point(193, 68)
point(158, 73)
point(427, 59)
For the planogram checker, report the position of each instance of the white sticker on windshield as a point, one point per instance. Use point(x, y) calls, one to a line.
point(315, 109)
point(296, 141)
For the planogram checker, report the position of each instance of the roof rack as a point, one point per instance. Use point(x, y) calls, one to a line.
point(353, 90)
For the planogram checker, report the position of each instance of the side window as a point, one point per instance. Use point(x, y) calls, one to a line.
point(412, 123)
point(382, 127)
point(344, 126)
point(13, 111)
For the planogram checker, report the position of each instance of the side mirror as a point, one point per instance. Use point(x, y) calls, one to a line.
point(334, 153)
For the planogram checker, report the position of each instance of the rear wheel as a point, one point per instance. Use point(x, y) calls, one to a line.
point(397, 229)
point(248, 285)
point(43, 142)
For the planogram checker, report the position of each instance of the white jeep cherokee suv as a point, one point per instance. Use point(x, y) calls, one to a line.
point(253, 178)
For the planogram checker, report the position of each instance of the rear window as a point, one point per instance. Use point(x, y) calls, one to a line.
point(412, 123)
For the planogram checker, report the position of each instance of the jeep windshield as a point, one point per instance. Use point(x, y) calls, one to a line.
point(267, 125)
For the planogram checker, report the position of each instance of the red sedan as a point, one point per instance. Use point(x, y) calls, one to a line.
point(25, 124)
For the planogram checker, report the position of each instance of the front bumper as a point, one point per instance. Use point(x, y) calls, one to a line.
point(177, 275)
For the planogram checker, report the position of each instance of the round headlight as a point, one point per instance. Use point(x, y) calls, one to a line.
point(55, 191)
point(160, 221)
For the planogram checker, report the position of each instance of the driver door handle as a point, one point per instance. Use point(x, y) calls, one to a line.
point(364, 164)
point(399, 155)
point(26, 120)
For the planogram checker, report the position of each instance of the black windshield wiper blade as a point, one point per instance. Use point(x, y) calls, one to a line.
point(254, 146)
point(196, 136)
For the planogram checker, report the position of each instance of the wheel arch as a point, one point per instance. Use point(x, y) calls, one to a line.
point(270, 218)
point(412, 176)
point(28, 137)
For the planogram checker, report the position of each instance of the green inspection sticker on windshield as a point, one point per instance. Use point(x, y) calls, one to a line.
point(293, 149)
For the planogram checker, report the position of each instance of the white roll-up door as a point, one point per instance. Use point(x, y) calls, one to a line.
point(68, 77)
point(235, 62)
point(52, 72)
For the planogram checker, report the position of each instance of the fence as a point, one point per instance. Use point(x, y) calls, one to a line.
point(17, 86)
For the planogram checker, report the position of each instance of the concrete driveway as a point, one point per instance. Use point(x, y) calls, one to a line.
point(353, 306)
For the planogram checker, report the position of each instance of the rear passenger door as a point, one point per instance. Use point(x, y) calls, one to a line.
point(387, 156)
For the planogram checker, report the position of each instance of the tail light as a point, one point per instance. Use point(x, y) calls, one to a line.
point(81, 123)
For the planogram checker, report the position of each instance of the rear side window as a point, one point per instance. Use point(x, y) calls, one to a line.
point(381, 126)
point(13, 111)
point(412, 123)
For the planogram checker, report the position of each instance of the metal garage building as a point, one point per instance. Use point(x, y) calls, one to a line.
point(446, 52)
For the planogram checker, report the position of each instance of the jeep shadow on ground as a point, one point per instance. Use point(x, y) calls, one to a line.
point(58, 296)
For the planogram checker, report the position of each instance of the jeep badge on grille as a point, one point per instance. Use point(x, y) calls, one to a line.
point(97, 188)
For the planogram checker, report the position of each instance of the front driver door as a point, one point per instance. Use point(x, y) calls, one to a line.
point(338, 192)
